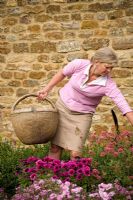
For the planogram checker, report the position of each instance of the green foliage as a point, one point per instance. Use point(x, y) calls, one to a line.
point(9, 163)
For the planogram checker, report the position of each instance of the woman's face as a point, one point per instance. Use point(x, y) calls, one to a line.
point(103, 69)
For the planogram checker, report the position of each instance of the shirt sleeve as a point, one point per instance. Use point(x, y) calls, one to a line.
point(115, 94)
point(74, 66)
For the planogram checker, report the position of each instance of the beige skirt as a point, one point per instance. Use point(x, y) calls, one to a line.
point(73, 128)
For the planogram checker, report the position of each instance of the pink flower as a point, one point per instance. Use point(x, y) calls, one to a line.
point(103, 195)
point(120, 150)
point(39, 163)
point(33, 176)
point(78, 177)
point(71, 172)
point(115, 154)
point(95, 172)
point(86, 171)
point(108, 149)
point(102, 154)
point(131, 149)
point(105, 186)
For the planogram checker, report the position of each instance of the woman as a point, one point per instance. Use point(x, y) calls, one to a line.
point(89, 82)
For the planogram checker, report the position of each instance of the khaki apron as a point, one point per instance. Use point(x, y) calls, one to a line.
point(73, 128)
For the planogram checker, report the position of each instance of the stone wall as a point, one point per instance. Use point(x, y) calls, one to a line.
point(38, 37)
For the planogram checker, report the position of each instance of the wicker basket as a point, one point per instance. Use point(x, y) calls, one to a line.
point(32, 125)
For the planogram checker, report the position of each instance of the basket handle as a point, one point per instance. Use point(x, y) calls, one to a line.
point(33, 95)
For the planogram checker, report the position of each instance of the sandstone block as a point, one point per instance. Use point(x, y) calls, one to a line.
point(5, 48)
point(37, 66)
point(96, 7)
point(129, 30)
point(70, 25)
point(101, 15)
point(95, 43)
point(123, 4)
point(11, 66)
point(54, 35)
point(43, 47)
point(127, 64)
point(129, 12)
point(33, 2)
point(115, 14)
point(57, 58)
point(6, 91)
point(85, 33)
point(43, 18)
point(87, 16)
point(34, 28)
point(122, 73)
point(51, 26)
point(36, 75)
point(9, 21)
point(16, 11)
point(6, 74)
point(76, 16)
point(11, 38)
point(11, 3)
point(43, 58)
point(20, 75)
point(2, 59)
point(30, 83)
point(76, 7)
point(128, 82)
point(116, 32)
point(68, 46)
point(3, 12)
point(122, 43)
point(70, 35)
point(62, 17)
point(101, 33)
point(89, 24)
point(21, 92)
point(14, 83)
point(18, 29)
point(73, 56)
point(25, 19)
point(33, 9)
point(20, 48)
point(48, 67)
point(53, 9)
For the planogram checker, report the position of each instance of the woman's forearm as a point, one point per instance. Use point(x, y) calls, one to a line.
point(129, 116)
point(55, 80)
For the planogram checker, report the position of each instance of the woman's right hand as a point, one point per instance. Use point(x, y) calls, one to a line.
point(42, 94)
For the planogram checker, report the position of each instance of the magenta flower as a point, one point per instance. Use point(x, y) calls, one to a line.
point(39, 163)
point(26, 170)
point(47, 159)
point(56, 168)
point(79, 177)
point(86, 171)
point(31, 159)
point(33, 177)
point(79, 171)
point(95, 172)
point(71, 172)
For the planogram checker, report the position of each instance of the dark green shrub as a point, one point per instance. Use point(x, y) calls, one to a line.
point(10, 157)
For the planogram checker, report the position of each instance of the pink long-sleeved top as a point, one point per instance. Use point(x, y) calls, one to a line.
point(84, 97)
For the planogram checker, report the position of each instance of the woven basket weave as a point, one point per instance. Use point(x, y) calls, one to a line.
point(32, 125)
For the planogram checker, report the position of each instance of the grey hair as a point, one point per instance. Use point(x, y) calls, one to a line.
point(106, 55)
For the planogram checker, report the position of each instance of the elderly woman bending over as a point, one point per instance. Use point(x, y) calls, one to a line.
point(89, 81)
